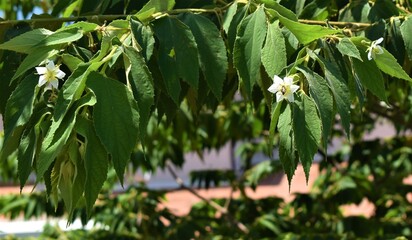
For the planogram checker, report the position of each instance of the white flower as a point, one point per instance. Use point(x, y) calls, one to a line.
point(375, 49)
point(50, 75)
point(283, 88)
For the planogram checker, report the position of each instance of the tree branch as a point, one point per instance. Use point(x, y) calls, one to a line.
point(216, 206)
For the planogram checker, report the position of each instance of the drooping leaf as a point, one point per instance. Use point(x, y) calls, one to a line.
point(247, 50)
point(355, 11)
point(24, 42)
point(116, 119)
point(274, 122)
point(230, 13)
point(232, 29)
point(143, 35)
point(307, 130)
point(96, 162)
point(406, 31)
point(212, 51)
point(274, 57)
point(141, 82)
point(340, 90)
point(346, 47)
point(178, 55)
point(320, 92)
point(370, 76)
point(19, 107)
point(287, 150)
point(28, 144)
point(58, 134)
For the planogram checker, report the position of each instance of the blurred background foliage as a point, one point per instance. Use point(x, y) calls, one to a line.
point(360, 169)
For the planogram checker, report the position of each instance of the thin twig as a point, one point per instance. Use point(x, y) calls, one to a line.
point(216, 206)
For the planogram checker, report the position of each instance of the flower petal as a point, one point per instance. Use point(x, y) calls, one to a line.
point(290, 97)
point(370, 55)
point(277, 79)
point(54, 83)
point(60, 74)
point(41, 70)
point(378, 41)
point(288, 80)
point(279, 96)
point(294, 88)
point(42, 80)
point(50, 66)
point(273, 88)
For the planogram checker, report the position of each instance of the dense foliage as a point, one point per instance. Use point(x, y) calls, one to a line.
point(95, 85)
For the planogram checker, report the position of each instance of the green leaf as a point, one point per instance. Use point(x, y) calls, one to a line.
point(73, 88)
point(58, 134)
point(178, 55)
point(247, 50)
point(29, 142)
point(230, 13)
point(306, 33)
point(85, 27)
point(154, 6)
point(143, 35)
point(279, 9)
point(406, 31)
point(19, 107)
point(346, 47)
point(388, 64)
point(273, 122)
point(71, 61)
point(34, 59)
point(340, 91)
point(116, 119)
point(234, 24)
point(60, 37)
point(24, 42)
point(307, 130)
point(287, 150)
point(212, 51)
point(96, 162)
point(320, 92)
point(142, 87)
point(274, 57)
point(370, 76)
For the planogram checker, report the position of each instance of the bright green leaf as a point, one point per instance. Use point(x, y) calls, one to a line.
point(274, 57)
point(154, 6)
point(24, 42)
point(34, 59)
point(247, 50)
point(388, 64)
point(212, 51)
point(346, 47)
point(307, 130)
point(306, 33)
point(116, 119)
